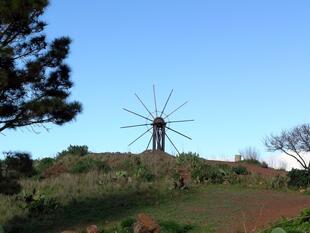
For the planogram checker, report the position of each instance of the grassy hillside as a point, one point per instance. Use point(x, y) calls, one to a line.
point(76, 190)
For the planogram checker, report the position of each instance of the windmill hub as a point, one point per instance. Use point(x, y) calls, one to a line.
point(159, 122)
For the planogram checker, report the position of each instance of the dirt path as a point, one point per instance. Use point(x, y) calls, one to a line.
point(267, 207)
point(249, 211)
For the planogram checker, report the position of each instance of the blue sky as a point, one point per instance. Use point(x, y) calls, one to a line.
point(243, 66)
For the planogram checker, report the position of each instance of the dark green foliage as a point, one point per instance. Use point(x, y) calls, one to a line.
point(217, 174)
point(18, 165)
point(213, 174)
point(127, 223)
point(34, 79)
point(240, 170)
point(173, 227)
point(37, 204)
point(9, 186)
point(199, 172)
point(1, 229)
point(88, 164)
point(189, 159)
point(301, 224)
point(74, 150)
point(144, 174)
point(299, 178)
point(44, 164)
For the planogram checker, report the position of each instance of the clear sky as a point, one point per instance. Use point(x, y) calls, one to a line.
point(244, 66)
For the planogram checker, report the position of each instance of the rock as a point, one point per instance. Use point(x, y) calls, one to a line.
point(92, 229)
point(146, 224)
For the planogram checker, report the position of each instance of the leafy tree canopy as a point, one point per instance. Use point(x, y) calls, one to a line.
point(34, 78)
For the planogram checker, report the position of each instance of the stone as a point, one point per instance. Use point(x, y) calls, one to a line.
point(92, 229)
point(146, 224)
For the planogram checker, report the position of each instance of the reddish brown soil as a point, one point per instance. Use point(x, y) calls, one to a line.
point(268, 207)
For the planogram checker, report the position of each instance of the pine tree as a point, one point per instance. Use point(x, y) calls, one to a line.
point(34, 78)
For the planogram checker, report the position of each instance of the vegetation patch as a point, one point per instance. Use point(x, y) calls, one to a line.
point(300, 224)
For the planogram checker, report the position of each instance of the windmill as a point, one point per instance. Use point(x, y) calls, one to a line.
point(157, 124)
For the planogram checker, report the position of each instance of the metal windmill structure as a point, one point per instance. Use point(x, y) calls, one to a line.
point(158, 124)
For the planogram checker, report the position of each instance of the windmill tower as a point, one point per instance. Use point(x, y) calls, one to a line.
point(158, 124)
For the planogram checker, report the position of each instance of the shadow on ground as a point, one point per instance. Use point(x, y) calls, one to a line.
point(87, 211)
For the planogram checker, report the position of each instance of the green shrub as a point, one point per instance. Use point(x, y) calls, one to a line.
point(189, 159)
point(44, 164)
point(240, 170)
point(299, 178)
point(9, 186)
point(1, 229)
point(144, 174)
point(199, 172)
point(121, 174)
point(74, 150)
point(173, 227)
point(214, 174)
point(88, 164)
point(127, 223)
point(278, 230)
point(300, 224)
point(126, 226)
point(37, 204)
point(18, 164)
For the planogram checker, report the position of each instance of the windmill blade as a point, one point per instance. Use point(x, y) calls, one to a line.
point(155, 99)
point(144, 105)
point(179, 121)
point(137, 114)
point(149, 142)
point(166, 103)
point(172, 143)
point(178, 133)
point(139, 137)
point(132, 126)
point(176, 109)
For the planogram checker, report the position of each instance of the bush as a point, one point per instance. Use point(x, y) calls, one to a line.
point(279, 182)
point(44, 164)
point(88, 164)
point(240, 170)
point(37, 204)
point(199, 172)
point(9, 186)
point(74, 150)
point(173, 227)
point(213, 174)
point(144, 174)
point(189, 159)
point(300, 224)
point(299, 178)
point(18, 165)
